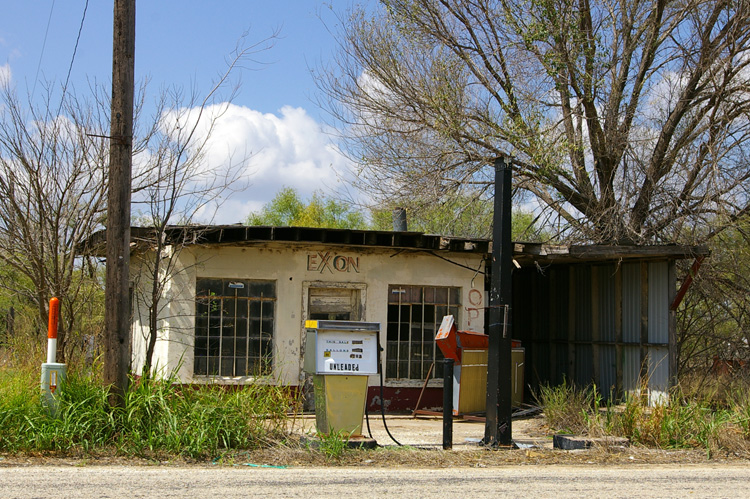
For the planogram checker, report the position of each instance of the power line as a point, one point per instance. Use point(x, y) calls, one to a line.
point(44, 44)
point(73, 58)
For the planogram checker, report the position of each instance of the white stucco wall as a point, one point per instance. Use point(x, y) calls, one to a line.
point(294, 268)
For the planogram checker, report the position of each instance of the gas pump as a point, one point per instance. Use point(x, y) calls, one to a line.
point(340, 355)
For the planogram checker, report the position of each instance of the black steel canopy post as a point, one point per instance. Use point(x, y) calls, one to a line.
point(497, 430)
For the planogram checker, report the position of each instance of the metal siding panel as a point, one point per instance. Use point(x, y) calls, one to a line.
point(560, 302)
point(607, 331)
point(560, 371)
point(540, 356)
point(584, 365)
point(631, 303)
point(522, 305)
point(658, 302)
point(607, 370)
point(658, 374)
point(540, 312)
point(583, 319)
point(631, 368)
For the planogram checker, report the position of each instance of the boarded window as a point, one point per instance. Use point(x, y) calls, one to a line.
point(414, 316)
point(234, 327)
point(333, 304)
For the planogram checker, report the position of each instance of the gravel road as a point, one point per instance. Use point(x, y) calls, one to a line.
point(516, 481)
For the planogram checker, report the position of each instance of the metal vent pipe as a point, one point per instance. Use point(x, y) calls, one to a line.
point(399, 220)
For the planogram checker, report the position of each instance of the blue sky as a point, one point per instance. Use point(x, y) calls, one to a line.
point(186, 43)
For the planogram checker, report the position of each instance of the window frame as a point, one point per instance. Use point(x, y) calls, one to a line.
point(395, 325)
point(252, 363)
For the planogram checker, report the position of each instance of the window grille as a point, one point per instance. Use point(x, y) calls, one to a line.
point(234, 327)
point(414, 316)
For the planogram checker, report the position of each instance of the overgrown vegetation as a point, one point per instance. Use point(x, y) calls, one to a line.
point(159, 418)
point(691, 419)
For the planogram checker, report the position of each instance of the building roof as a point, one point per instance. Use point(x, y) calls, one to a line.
point(523, 253)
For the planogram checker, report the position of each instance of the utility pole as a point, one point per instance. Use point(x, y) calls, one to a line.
point(117, 291)
point(497, 430)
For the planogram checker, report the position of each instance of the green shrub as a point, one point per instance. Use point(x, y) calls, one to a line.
point(159, 417)
point(199, 421)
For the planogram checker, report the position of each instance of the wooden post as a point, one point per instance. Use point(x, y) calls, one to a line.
point(117, 302)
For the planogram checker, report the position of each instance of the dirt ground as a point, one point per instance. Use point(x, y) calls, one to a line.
point(427, 432)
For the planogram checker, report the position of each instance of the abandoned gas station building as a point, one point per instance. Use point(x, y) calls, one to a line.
point(236, 302)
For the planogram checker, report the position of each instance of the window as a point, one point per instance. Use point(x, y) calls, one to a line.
point(414, 316)
point(234, 322)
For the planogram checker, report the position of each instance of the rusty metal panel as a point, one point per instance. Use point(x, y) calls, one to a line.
point(631, 303)
point(472, 381)
point(631, 368)
point(658, 302)
point(607, 370)
point(606, 303)
point(583, 318)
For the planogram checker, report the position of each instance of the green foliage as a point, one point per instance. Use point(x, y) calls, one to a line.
point(287, 209)
point(713, 320)
point(159, 417)
point(461, 216)
point(334, 444)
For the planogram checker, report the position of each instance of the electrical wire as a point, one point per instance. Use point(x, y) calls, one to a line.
point(382, 410)
point(367, 418)
point(73, 58)
point(44, 44)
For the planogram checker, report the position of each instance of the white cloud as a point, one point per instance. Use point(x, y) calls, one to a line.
point(6, 74)
point(288, 149)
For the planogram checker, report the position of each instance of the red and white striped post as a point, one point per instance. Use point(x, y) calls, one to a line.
point(53, 374)
point(54, 318)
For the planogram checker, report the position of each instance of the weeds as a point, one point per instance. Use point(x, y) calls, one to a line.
point(159, 417)
point(684, 422)
point(334, 444)
point(565, 407)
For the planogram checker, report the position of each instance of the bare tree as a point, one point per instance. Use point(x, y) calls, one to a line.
point(181, 187)
point(52, 183)
point(627, 121)
point(714, 318)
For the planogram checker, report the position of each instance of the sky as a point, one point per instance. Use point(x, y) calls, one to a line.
point(186, 43)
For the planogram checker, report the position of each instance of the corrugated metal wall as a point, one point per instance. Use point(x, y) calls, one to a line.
point(606, 276)
point(606, 324)
point(631, 326)
point(658, 330)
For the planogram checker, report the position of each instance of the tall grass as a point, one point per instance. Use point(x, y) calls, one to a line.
point(686, 421)
point(159, 417)
point(199, 421)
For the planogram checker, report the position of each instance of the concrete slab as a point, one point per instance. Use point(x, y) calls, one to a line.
point(574, 442)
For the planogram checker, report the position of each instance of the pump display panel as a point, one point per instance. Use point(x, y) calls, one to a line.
point(341, 351)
